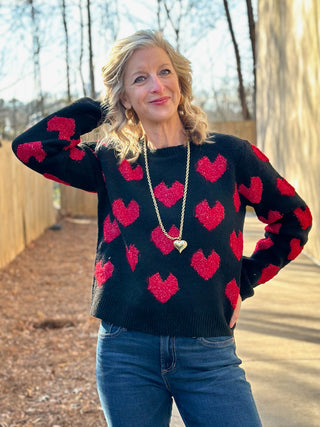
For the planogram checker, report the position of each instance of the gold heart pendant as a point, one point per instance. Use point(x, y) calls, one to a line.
point(180, 245)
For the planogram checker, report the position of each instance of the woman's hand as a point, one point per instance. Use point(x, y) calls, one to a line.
point(236, 312)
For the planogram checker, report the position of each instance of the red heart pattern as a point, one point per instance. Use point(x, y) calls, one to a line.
point(273, 228)
point(132, 256)
point(204, 261)
point(163, 290)
point(295, 249)
point(268, 273)
point(110, 229)
point(212, 171)
point(209, 217)
point(76, 154)
point(232, 292)
point(129, 173)
point(236, 199)
point(205, 267)
point(236, 244)
point(65, 126)
point(169, 195)
point(273, 216)
point(103, 272)
point(263, 244)
point(125, 215)
point(73, 143)
point(161, 241)
point(285, 188)
point(254, 192)
point(304, 217)
point(259, 153)
point(31, 149)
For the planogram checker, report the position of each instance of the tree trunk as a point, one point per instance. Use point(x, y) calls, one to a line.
point(81, 49)
point(91, 67)
point(36, 58)
point(252, 32)
point(241, 91)
point(175, 27)
point(66, 35)
point(159, 15)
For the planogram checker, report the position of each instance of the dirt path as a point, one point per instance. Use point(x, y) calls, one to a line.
point(47, 338)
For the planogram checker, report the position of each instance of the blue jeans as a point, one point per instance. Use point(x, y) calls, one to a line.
point(138, 375)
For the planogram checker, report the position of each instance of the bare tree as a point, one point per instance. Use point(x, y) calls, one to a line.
point(160, 27)
point(36, 55)
point(91, 66)
point(81, 49)
point(67, 58)
point(109, 19)
point(178, 16)
point(175, 13)
point(174, 23)
point(252, 33)
point(241, 90)
point(26, 23)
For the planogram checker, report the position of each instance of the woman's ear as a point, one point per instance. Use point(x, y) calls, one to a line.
point(125, 102)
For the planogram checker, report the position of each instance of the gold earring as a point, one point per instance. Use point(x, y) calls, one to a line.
point(131, 115)
point(181, 106)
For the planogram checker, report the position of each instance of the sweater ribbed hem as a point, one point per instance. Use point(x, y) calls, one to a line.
point(184, 324)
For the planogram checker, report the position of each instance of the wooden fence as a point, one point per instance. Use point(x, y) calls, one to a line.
point(77, 203)
point(26, 198)
point(242, 129)
point(26, 205)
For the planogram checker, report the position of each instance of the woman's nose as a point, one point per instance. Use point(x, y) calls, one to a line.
point(156, 85)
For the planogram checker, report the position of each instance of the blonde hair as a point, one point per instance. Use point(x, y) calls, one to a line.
point(123, 127)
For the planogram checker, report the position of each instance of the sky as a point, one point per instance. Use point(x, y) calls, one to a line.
point(212, 58)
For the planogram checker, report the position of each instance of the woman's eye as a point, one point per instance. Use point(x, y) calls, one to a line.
point(165, 72)
point(139, 79)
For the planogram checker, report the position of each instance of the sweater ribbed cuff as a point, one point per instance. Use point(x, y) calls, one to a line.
point(246, 287)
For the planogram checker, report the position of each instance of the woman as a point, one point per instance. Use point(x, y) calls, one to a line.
point(169, 272)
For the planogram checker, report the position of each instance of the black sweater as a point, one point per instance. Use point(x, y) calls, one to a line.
point(141, 281)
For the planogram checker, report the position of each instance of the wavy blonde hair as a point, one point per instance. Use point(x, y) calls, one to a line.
point(124, 131)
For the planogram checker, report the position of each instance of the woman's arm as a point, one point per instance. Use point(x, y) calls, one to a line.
point(287, 218)
point(52, 147)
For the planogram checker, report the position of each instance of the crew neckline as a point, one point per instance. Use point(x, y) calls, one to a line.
point(167, 151)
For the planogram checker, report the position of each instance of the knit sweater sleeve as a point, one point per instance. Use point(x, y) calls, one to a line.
point(287, 218)
point(52, 147)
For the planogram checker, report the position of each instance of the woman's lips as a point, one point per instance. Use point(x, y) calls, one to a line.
point(160, 101)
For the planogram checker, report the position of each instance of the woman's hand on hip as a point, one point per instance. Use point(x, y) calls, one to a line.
point(236, 312)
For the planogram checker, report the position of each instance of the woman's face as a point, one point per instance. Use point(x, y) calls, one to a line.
point(151, 87)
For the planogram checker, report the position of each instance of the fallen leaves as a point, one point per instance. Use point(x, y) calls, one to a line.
point(47, 338)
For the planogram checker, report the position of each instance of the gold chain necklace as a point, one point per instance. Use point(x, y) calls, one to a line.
point(178, 243)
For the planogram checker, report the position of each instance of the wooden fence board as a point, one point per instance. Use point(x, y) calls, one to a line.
point(75, 202)
point(26, 205)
